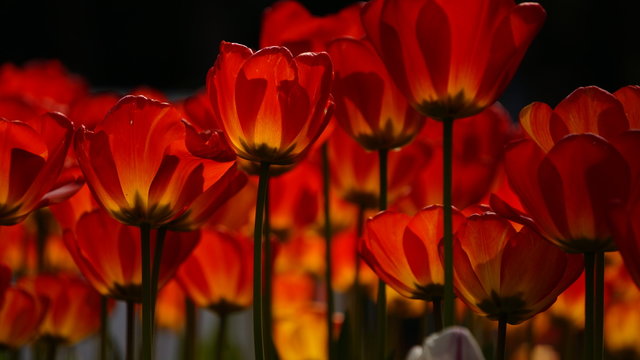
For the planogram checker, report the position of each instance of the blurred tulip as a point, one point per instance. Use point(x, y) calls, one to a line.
point(272, 106)
point(287, 23)
point(90, 110)
point(218, 274)
point(21, 314)
point(170, 307)
point(368, 105)
point(302, 335)
point(108, 254)
point(73, 311)
point(451, 59)
point(454, 342)
point(138, 167)
point(33, 155)
point(497, 270)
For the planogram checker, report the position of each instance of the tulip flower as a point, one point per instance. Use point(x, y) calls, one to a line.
point(170, 309)
point(497, 272)
point(21, 314)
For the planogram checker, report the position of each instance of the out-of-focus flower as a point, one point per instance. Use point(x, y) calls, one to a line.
point(403, 251)
point(90, 110)
point(73, 310)
point(497, 271)
point(32, 156)
point(139, 169)
point(170, 307)
point(108, 254)
point(302, 335)
point(218, 274)
point(451, 59)
point(271, 106)
point(369, 107)
point(287, 23)
point(21, 314)
point(5, 280)
point(452, 343)
point(292, 291)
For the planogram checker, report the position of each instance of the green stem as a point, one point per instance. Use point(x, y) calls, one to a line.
point(589, 338)
point(190, 331)
point(104, 327)
point(502, 338)
point(356, 324)
point(447, 158)
point(258, 331)
point(326, 182)
point(599, 307)
point(268, 280)
point(381, 304)
point(220, 336)
point(147, 324)
point(437, 314)
point(51, 346)
point(130, 347)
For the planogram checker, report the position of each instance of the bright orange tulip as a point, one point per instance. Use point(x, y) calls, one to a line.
point(32, 156)
point(368, 105)
point(403, 251)
point(497, 270)
point(272, 106)
point(451, 59)
point(21, 314)
point(108, 254)
point(302, 335)
point(138, 167)
point(287, 23)
point(170, 307)
point(218, 274)
point(73, 310)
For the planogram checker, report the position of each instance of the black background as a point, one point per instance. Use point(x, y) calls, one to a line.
point(121, 44)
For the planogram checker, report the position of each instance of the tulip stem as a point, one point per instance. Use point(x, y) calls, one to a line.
point(258, 338)
point(161, 234)
point(191, 329)
point(326, 182)
point(447, 178)
point(147, 324)
point(382, 291)
point(52, 349)
point(356, 324)
point(131, 330)
point(437, 314)
point(599, 306)
point(589, 307)
point(501, 347)
point(268, 279)
point(104, 327)
point(220, 336)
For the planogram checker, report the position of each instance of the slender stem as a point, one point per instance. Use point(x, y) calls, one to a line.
point(41, 239)
point(258, 331)
point(267, 309)
point(599, 306)
point(447, 178)
point(326, 182)
point(356, 309)
point(161, 234)
point(437, 314)
point(190, 331)
point(221, 335)
point(589, 268)
point(147, 322)
point(104, 327)
point(502, 338)
point(130, 347)
point(381, 304)
point(52, 349)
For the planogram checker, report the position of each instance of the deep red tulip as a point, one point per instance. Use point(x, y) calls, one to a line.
point(272, 106)
point(368, 105)
point(73, 310)
point(218, 274)
point(32, 157)
point(21, 314)
point(451, 59)
point(90, 110)
point(629, 96)
point(403, 251)
point(108, 254)
point(498, 272)
point(287, 23)
point(625, 223)
point(138, 167)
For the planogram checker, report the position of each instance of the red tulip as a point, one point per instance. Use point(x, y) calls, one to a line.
point(21, 314)
point(138, 167)
point(272, 106)
point(403, 251)
point(108, 254)
point(498, 272)
point(287, 23)
point(218, 274)
point(368, 105)
point(629, 96)
point(32, 157)
point(451, 59)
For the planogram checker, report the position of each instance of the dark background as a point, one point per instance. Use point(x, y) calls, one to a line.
point(121, 44)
